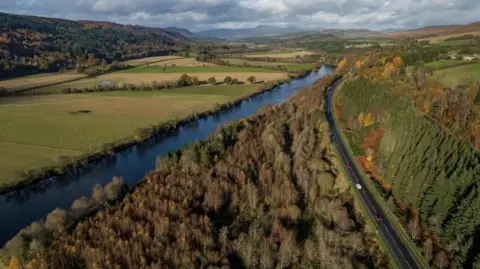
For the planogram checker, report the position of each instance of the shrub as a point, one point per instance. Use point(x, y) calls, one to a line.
point(56, 220)
point(227, 80)
point(116, 189)
point(212, 81)
point(251, 79)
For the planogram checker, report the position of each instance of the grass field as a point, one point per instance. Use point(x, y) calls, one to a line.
point(454, 76)
point(294, 67)
point(194, 69)
point(443, 63)
point(37, 80)
point(443, 37)
point(149, 60)
point(278, 55)
point(182, 62)
point(139, 78)
point(456, 42)
point(36, 130)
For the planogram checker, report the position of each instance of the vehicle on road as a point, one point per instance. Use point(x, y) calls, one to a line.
point(358, 186)
point(348, 166)
point(376, 216)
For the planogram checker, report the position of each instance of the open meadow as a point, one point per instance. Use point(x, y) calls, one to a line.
point(38, 80)
point(454, 76)
point(151, 60)
point(278, 55)
point(293, 67)
point(37, 130)
point(443, 63)
point(182, 62)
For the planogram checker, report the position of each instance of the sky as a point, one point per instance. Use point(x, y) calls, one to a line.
point(198, 15)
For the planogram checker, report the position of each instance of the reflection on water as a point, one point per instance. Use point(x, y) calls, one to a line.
point(18, 209)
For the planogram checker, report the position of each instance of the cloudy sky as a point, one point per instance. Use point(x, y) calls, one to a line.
point(204, 14)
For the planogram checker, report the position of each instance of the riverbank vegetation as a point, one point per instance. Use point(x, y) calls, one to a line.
point(260, 193)
point(422, 157)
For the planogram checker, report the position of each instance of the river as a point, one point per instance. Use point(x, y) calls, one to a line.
point(19, 209)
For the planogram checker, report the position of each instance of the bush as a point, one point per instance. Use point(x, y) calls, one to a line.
point(116, 189)
point(227, 80)
point(251, 79)
point(212, 81)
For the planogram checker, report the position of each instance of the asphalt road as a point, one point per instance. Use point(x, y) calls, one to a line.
point(400, 252)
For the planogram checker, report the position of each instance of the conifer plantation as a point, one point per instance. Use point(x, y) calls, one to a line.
point(427, 172)
point(264, 192)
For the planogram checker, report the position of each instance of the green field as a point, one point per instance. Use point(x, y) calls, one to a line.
point(36, 130)
point(293, 67)
point(454, 76)
point(460, 42)
point(194, 69)
point(443, 63)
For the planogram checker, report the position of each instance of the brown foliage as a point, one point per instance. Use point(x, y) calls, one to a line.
point(252, 205)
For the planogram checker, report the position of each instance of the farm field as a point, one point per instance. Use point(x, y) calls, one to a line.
point(139, 78)
point(443, 37)
point(112, 116)
point(149, 60)
point(459, 42)
point(182, 62)
point(194, 69)
point(37, 80)
point(278, 55)
point(294, 67)
point(454, 76)
point(443, 63)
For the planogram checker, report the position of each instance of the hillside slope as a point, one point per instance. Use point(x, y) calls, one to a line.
point(30, 44)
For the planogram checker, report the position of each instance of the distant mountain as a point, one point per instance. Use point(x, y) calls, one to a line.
point(261, 30)
point(185, 32)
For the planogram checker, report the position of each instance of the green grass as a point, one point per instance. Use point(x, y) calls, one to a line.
point(37, 129)
point(443, 63)
point(452, 43)
point(220, 90)
point(454, 76)
point(292, 67)
point(194, 69)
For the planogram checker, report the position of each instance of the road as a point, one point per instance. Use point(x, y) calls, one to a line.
point(400, 252)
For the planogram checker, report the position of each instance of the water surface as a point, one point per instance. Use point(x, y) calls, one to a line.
point(19, 209)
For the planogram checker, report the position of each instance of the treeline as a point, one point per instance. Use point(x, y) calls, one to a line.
point(184, 81)
point(31, 44)
point(427, 54)
point(428, 176)
point(264, 192)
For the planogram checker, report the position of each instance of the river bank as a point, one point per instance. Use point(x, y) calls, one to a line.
point(35, 201)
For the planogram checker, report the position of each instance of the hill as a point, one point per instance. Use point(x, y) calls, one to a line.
point(437, 31)
point(185, 32)
point(261, 30)
point(30, 44)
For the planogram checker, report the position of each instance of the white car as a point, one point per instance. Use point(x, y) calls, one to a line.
point(359, 186)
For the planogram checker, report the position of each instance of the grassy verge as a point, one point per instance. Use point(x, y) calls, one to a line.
point(389, 215)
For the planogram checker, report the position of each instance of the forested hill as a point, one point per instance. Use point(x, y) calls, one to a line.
point(30, 44)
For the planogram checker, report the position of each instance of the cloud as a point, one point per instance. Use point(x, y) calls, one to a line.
point(203, 14)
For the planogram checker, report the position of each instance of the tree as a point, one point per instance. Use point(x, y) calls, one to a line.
point(14, 263)
point(212, 81)
point(251, 79)
point(419, 75)
point(227, 80)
